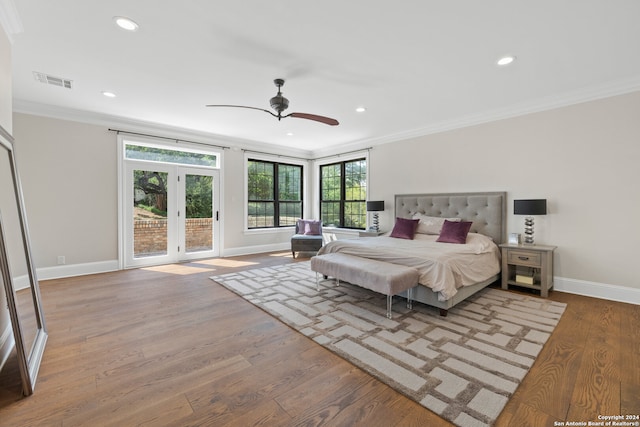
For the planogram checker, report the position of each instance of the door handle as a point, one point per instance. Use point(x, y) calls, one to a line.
point(217, 215)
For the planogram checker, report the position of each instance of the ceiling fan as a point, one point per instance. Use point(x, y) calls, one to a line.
point(280, 103)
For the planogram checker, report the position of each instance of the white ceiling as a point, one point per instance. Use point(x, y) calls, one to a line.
point(418, 66)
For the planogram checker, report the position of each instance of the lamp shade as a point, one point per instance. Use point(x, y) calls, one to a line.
point(530, 207)
point(375, 206)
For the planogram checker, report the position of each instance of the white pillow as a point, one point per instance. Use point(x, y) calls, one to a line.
point(479, 243)
point(431, 224)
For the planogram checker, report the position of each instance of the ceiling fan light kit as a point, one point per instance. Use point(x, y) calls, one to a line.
point(279, 103)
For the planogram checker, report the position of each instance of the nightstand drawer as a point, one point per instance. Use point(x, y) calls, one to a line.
point(528, 258)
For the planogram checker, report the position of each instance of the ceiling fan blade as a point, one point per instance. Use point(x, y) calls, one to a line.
point(244, 106)
point(326, 120)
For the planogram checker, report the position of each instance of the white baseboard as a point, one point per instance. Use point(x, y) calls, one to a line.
point(597, 290)
point(6, 345)
point(60, 271)
point(21, 282)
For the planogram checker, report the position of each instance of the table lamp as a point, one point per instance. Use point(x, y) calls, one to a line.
point(529, 207)
point(375, 207)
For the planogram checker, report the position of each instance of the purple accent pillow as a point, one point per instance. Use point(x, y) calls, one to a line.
point(405, 228)
point(312, 227)
point(454, 232)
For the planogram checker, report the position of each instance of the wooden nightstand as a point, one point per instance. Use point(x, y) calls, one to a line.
point(370, 233)
point(532, 263)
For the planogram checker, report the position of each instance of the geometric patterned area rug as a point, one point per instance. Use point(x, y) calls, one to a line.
point(464, 367)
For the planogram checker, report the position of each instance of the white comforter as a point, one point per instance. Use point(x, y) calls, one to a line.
point(443, 267)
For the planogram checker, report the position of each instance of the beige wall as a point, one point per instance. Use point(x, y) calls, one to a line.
point(583, 159)
point(5, 82)
point(69, 180)
point(5, 122)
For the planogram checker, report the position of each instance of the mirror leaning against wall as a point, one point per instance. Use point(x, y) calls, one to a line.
point(24, 324)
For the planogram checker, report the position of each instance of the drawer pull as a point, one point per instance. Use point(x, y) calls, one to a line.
point(523, 258)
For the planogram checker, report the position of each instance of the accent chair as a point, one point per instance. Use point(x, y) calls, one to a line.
point(308, 236)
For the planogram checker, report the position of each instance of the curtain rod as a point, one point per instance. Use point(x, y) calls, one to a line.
point(342, 154)
point(307, 159)
point(275, 155)
point(170, 139)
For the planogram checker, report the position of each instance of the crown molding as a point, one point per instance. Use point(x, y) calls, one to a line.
point(588, 94)
point(10, 19)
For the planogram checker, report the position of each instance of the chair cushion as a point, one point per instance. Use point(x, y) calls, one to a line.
point(309, 237)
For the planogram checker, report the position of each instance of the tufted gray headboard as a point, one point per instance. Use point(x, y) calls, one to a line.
point(488, 211)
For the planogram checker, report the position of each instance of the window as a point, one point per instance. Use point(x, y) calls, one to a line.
point(187, 157)
point(275, 194)
point(343, 192)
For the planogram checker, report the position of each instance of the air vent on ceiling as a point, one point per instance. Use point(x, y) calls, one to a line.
point(52, 80)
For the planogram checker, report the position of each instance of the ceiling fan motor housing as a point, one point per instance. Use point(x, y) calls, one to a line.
point(279, 103)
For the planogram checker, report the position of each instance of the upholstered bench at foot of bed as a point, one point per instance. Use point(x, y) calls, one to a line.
point(383, 277)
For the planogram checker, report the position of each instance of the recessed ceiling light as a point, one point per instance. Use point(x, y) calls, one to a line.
point(289, 133)
point(109, 94)
point(361, 109)
point(125, 23)
point(506, 60)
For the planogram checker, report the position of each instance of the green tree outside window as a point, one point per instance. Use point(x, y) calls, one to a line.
point(343, 194)
point(275, 194)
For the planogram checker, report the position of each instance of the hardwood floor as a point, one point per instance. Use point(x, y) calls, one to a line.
point(167, 346)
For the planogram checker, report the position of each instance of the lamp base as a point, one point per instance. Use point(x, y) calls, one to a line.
point(375, 222)
point(528, 231)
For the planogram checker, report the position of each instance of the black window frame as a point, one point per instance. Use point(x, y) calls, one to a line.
point(276, 201)
point(342, 202)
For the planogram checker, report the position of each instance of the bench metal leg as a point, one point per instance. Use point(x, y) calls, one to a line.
point(325, 278)
point(409, 302)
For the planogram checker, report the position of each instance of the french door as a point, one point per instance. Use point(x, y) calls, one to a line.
point(171, 213)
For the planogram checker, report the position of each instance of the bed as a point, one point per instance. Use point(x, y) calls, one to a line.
point(449, 273)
